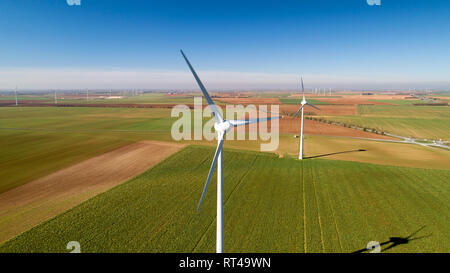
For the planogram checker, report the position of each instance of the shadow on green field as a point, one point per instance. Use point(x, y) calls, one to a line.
point(396, 241)
point(344, 152)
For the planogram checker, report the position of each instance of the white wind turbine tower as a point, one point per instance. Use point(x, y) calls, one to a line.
point(221, 126)
point(56, 98)
point(304, 102)
point(15, 92)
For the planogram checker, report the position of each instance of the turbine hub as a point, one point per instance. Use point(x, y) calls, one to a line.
point(223, 126)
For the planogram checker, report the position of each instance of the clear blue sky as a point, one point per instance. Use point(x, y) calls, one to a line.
point(401, 39)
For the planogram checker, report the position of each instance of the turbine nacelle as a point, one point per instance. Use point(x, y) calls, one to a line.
point(222, 127)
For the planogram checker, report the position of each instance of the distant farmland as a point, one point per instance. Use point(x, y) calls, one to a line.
point(298, 100)
point(37, 141)
point(414, 121)
point(271, 205)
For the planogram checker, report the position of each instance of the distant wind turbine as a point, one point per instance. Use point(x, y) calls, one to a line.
point(221, 126)
point(15, 92)
point(56, 98)
point(304, 102)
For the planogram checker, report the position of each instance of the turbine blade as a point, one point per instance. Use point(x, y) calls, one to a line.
point(298, 111)
point(216, 113)
point(303, 88)
point(312, 106)
point(237, 123)
point(211, 170)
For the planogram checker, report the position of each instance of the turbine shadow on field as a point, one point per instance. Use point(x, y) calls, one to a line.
point(344, 152)
point(396, 241)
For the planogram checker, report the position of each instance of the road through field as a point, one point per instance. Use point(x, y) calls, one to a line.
point(23, 207)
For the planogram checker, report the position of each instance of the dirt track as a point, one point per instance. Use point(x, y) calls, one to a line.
point(26, 206)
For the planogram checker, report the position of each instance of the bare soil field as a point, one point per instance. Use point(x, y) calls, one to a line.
point(385, 153)
point(356, 99)
point(246, 101)
point(290, 125)
point(350, 100)
point(26, 206)
point(325, 110)
point(442, 98)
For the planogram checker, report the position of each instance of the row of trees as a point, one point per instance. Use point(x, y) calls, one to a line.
point(347, 125)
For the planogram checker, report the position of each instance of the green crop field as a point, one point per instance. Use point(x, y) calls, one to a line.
point(40, 140)
point(146, 98)
point(402, 102)
point(431, 122)
point(270, 205)
point(42, 98)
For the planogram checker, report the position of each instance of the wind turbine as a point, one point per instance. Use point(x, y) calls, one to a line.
point(221, 126)
point(304, 102)
point(56, 98)
point(15, 92)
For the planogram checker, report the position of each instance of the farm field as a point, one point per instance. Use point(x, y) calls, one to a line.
point(23, 207)
point(292, 126)
point(298, 100)
point(327, 206)
point(402, 102)
point(384, 153)
point(431, 122)
point(325, 110)
point(47, 141)
point(59, 137)
point(81, 97)
point(240, 128)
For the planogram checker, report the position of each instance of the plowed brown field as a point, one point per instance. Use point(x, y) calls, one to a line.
point(356, 99)
point(353, 101)
point(246, 101)
point(26, 206)
point(325, 110)
point(292, 126)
